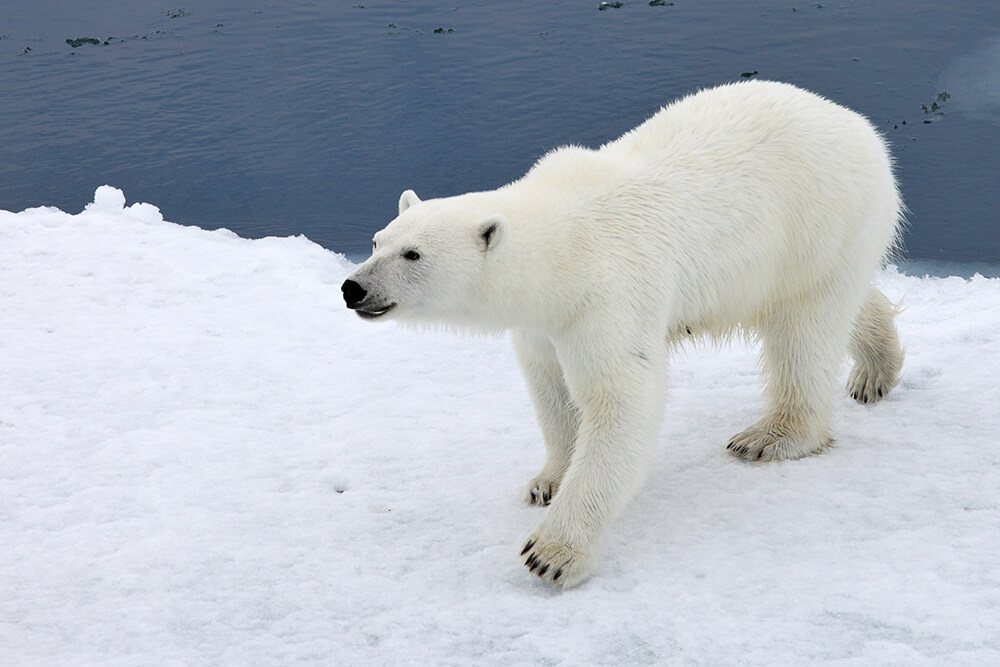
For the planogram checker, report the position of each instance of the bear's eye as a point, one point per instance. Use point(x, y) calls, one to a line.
point(411, 255)
point(374, 244)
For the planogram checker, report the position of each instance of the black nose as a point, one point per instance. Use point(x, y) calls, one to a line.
point(353, 293)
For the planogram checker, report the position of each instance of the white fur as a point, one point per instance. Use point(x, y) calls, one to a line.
point(753, 206)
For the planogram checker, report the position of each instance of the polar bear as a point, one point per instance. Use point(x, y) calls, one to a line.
point(752, 207)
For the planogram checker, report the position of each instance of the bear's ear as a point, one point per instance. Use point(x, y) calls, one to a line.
point(492, 233)
point(407, 199)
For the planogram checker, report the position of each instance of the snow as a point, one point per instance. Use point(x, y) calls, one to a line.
point(205, 459)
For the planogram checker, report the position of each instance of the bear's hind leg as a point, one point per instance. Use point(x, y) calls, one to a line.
point(557, 416)
point(875, 349)
point(803, 342)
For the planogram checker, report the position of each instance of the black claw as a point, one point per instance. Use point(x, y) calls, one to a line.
point(555, 577)
point(546, 497)
point(527, 546)
point(880, 392)
point(730, 445)
point(545, 568)
point(760, 455)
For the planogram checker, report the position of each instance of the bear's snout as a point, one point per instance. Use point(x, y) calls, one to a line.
point(354, 293)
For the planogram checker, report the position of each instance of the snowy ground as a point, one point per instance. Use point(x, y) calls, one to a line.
point(205, 459)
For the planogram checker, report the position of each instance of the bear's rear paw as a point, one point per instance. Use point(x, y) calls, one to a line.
point(869, 385)
point(541, 490)
point(557, 563)
point(768, 441)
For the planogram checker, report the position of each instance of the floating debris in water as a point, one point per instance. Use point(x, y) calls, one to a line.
point(933, 112)
point(177, 13)
point(936, 108)
point(80, 41)
point(152, 34)
point(610, 5)
point(660, 3)
point(747, 75)
point(398, 29)
point(941, 97)
point(443, 31)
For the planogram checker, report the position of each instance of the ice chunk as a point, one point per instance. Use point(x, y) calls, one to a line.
point(145, 212)
point(107, 199)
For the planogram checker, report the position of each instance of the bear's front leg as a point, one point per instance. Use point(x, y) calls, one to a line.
point(622, 400)
point(557, 415)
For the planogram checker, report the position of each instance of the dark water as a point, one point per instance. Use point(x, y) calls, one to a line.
point(284, 118)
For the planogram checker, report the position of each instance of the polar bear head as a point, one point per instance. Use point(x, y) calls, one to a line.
point(429, 262)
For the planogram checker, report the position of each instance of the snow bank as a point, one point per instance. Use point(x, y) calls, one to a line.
point(205, 459)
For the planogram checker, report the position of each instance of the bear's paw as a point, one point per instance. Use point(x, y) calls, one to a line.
point(541, 490)
point(769, 441)
point(870, 384)
point(557, 563)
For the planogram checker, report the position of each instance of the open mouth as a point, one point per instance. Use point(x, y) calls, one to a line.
point(374, 314)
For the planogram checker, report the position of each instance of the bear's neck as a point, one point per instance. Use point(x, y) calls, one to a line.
point(532, 281)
